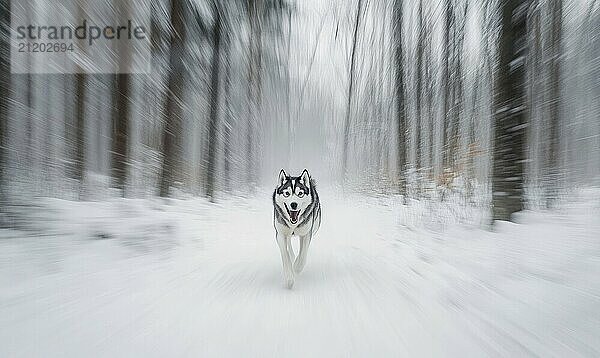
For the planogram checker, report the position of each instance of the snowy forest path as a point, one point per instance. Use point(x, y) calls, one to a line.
point(371, 287)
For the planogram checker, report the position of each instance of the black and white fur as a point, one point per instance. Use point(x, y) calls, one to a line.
point(297, 212)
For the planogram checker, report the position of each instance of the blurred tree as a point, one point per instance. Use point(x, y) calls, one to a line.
point(554, 100)
point(346, 134)
point(536, 86)
point(458, 37)
point(79, 154)
point(429, 88)
point(5, 85)
point(78, 161)
point(400, 96)
point(510, 116)
point(27, 78)
point(446, 81)
point(214, 103)
point(121, 109)
point(419, 87)
point(256, 14)
point(173, 108)
point(228, 117)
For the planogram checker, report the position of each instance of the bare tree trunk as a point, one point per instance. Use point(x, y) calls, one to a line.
point(419, 87)
point(510, 113)
point(173, 110)
point(29, 113)
point(5, 85)
point(457, 91)
point(536, 84)
point(554, 102)
point(120, 132)
point(29, 10)
point(400, 97)
point(214, 106)
point(79, 158)
point(472, 146)
point(256, 9)
point(289, 92)
point(429, 90)
point(120, 118)
point(446, 43)
point(78, 161)
point(228, 117)
point(350, 90)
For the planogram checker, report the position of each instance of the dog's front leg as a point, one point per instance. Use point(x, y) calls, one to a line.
point(288, 273)
point(301, 259)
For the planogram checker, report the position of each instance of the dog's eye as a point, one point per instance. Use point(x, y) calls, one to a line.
point(286, 194)
point(300, 194)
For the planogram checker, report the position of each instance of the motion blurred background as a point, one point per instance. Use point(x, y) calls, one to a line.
point(431, 123)
point(372, 94)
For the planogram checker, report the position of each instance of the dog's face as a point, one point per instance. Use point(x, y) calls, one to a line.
point(293, 194)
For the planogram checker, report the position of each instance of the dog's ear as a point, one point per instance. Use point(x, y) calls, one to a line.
point(305, 178)
point(282, 176)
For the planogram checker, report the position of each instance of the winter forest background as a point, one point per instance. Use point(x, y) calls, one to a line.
point(423, 120)
point(386, 96)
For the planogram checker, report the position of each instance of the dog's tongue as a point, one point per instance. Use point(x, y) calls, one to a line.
point(294, 215)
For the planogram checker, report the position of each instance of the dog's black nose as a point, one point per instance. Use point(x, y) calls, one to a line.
point(294, 206)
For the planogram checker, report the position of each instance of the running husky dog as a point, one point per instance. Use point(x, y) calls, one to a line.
point(297, 212)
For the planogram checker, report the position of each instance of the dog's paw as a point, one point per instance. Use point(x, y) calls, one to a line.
point(289, 283)
point(288, 278)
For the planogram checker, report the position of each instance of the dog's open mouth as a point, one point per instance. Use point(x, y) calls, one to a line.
point(293, 214)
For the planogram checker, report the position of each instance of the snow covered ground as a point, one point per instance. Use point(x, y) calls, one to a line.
point(126, 278)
